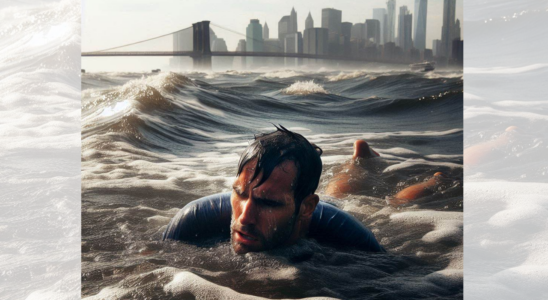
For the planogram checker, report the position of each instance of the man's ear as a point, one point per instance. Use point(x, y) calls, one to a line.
point(309, 205)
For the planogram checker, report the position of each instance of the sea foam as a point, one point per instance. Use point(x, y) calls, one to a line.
point(304, 88)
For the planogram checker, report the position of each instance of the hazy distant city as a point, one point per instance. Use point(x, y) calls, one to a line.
point(375, 39)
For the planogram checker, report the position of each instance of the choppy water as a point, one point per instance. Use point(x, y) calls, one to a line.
point(153, 142)
point(506, 205)
point(39, 149)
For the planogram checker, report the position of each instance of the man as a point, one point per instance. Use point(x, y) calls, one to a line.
point(273, 202)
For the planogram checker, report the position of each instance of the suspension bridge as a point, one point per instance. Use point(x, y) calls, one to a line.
point(201, 53)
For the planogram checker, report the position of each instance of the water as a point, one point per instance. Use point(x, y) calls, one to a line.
point(39, 150)
point(506, 204)
point(153, 142)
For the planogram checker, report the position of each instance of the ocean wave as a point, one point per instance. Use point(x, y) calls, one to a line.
point(346, 76)
point(282, 74)
point(506, 70)
point(145, 93)
point(471, 112)
point(436, 75)
point(304, 88)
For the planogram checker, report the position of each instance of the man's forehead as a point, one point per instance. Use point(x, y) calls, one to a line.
point(280, 180)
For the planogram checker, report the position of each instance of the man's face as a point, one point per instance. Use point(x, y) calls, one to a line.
point(263, 217)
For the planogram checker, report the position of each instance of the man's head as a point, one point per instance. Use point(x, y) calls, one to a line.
point(273, 195)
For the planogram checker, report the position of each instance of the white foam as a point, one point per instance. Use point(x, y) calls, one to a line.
point(417, 161)
point(304, 88)
point(515, 103)
point(474, 112)
point(186, 282)
point(345, 76)
point(40, 111)
point(281, 74)
point(448, 226)
point(505, 70)
point(519, 210)
point(398, 151)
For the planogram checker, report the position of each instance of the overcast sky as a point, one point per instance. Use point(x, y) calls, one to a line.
point(108, 23)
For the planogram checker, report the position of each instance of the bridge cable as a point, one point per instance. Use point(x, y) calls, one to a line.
point(142, 40)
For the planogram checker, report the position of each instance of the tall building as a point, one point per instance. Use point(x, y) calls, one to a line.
point(390, 21)
point(316, 41)
point(436, 47)
point(456, 31)
point(293, 21)
point(241, 46)
point(408, 21)
point(273, 45)
point(283, 28)
point(332, 19)
point(220, 63)
point(447, 29)
point(373, 30)
point(405, 23)
point(380, 14)
point(240, 62)
point(419, 21)
point(266, 32)
point(346, 29)
point(457, 52)
point(359, 32)
point(254, 41)
point(309, 23)
point(293, 44)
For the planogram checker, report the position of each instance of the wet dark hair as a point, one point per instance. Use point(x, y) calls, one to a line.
point(271, 149)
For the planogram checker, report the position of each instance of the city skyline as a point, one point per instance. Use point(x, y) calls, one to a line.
point(90, 40)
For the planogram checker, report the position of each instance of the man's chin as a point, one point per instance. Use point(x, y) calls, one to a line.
point(242, 248)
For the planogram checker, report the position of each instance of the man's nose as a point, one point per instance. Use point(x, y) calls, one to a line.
point(249, 211)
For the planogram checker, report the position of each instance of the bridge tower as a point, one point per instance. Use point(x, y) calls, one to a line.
point(201, 47)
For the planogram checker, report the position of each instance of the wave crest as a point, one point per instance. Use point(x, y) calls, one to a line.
point(345, 76)
point(305, 88)
point(282, 74)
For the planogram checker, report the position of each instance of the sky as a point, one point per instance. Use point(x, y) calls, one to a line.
point(109, 23)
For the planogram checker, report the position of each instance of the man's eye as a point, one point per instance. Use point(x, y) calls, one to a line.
point(270, 203)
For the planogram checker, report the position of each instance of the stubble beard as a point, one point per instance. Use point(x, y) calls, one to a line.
point(279, 236)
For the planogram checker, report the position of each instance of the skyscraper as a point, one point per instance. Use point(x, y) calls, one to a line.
point(331, 19)
point(436, 47)
point(254, 41)
point(447, 29)
point(380, 14)
point(266, 32)
point(316, 41)
point(456, 31)
point(408, 21)
point(419, 28)
point(283, 28)
point(293, 44)
point(220, 63)
point(390, 21)
point(359, 32)
point(405, 23)
point(346, 29)
point(293, 21)
point(309, 23)
point(239, 62)
point(373, 30)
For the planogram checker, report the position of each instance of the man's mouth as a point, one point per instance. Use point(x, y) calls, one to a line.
point(245, 238)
